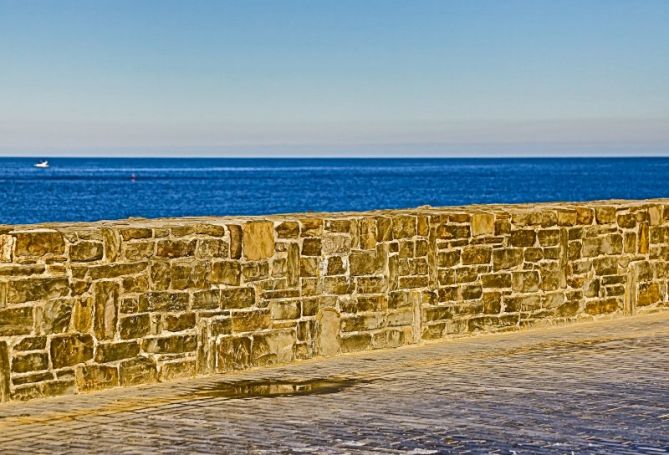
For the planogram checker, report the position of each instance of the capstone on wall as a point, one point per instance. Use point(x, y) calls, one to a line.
point(91, 306)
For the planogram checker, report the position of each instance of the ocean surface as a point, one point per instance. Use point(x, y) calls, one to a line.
point(87, 189)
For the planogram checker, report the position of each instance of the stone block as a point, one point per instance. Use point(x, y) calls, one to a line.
point(311, 247)
point(476, 255)
point(233, 353)
point(25, 363)
point(504, 259)
point(251, 321)
point(34, 343)
point(273, 347)
point(364, 263)
point(36, 289)
point(603, 306)
point(137, 251)
point(86, 251)
point(16, 321)
point(356, 342)
point(525, 281)
point(177, 370)
point(175, 248)
point(170, 345)
point(605, 215)
point(105, 300)
point(281, 310)
point(54, 316)
point(96, 377)
point(68, 350)
point(649, 294)
point(136, 326)
point(112, 352)
point(135, 233)
point(137, 371)
point(258, 240)
point(6, 248)
point(336, 244)
point(483, 224)
point(39, 243)
point(207, 300)
point(237, 298)
point(288, 230)
point(163, 301)
point(178, 322)
point(522, 238)
point(226, 272)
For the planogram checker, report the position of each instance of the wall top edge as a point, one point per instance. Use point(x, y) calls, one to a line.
point(424, 210)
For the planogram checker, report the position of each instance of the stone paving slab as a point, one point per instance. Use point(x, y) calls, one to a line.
point(600, 387)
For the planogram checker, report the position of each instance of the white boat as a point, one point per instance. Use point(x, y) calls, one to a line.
point(42, 164)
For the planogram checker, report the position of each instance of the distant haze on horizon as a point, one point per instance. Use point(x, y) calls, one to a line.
point(342, 78)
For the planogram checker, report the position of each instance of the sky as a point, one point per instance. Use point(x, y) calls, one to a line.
point(334, 78)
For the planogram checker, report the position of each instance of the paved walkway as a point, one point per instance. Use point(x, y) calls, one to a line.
point(590, 388)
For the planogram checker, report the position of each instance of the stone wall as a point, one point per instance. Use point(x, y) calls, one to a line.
point(90, 306)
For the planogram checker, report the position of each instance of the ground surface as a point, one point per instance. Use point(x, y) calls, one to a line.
point(591, 388)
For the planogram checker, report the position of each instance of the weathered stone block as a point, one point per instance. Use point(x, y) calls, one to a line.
point(68, 350)
point(135, 233)
point(483, 224)
point(504, 259)
point(6, 248)
point(254, 271)
point(105, 299)
point(364, 263)
point(4, 372)
point(111, 352)
point(288, 230)
point(605, 215)
point(163, 301)
point(137, 371)
point(649, 294)
point(35, 289)
point(356, 342)
point(175, 248)
point(522, 303)
point(525, 281)
point(237, 298)
point(96, 377)
point(39, 243)
point(233, 353)
point(226, 272)
point(16, 321)
point(178, 322)
point(136, 326)
point(335, 266)
point(602, 306)
point(273, 347)
point(251, 321)
point(522, 238)
point(285, 310)
point(311, 247)
point(25, 363)
point(30, 344)
point(476, 255)
point(137, 251)
point(170, 345)
point(177, 370)
point(258, 240)
point(86, 251)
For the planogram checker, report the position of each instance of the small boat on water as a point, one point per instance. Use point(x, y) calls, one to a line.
point(42, 164)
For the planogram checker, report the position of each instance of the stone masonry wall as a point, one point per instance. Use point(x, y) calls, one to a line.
point(91, 306)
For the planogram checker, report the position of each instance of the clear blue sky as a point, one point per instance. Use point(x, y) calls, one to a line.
point(360, 77)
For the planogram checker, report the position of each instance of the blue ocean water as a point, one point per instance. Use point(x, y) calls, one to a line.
point(87, 189)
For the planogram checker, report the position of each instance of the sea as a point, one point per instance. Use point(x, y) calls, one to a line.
point(90, 189)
